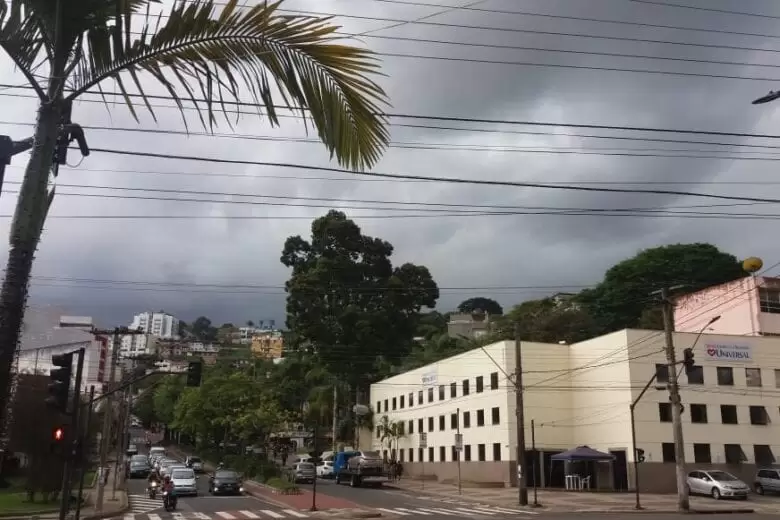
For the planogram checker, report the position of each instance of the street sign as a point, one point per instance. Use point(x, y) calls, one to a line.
point(423, 440)
point(459, 441)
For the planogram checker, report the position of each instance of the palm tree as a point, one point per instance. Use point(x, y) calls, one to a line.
point(199, 54)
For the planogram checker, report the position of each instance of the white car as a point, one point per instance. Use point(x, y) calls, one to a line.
point(325, 469)
point(184, 481)
point(717, 484)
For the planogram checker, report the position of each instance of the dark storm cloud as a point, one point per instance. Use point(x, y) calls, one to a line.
point(461, 252)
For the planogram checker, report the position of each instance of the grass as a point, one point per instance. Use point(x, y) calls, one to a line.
point(13, 503)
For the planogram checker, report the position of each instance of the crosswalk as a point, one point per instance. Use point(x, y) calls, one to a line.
point(142, 503)
point(474, 511)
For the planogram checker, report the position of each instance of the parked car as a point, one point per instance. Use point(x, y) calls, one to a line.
point(139, 468)
point(717, 484)
point(325, 469)
point(304, 472)
point(184, 481)
point(225, 482)
point(195, 463)
point(767, 481)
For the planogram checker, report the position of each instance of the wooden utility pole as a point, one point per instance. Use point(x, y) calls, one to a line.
point(683, 504)
point(522, 488)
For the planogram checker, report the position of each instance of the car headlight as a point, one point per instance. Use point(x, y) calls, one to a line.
point(154, 484)
point(241, 489)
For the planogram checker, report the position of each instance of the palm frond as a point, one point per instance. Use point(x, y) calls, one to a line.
point(22, 38)
point(205, 57)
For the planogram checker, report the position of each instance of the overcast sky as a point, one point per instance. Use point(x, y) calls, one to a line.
point(461, 252)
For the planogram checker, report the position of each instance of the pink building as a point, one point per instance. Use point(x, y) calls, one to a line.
point(749, 306)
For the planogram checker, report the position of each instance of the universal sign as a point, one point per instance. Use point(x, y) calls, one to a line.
point(725, 352)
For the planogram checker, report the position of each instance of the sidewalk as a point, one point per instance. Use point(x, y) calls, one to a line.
point(563, 501)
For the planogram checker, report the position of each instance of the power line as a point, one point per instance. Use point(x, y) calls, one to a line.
point(709, 9)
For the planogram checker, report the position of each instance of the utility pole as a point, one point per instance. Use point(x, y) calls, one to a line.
point(683, 503)
point(336, 415)
point(522, 488)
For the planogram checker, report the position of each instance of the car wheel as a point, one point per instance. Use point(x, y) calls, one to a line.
point(715, 493)
point(759, 489)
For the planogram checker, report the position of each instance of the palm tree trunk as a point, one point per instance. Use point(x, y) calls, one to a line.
point(24, 236)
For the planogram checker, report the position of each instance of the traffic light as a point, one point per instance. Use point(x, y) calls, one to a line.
point(59, 385)
point(57, 441)
point(688, 360)
point(194, 373)
point(640, 455)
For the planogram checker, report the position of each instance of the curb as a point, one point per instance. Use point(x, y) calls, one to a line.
point(364, 514)
point(664, 512)
point(33, 514)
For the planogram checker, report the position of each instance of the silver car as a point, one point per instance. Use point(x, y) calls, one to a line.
point(184, 481)
point(304, 472)
point(767, 481)
point(717, 484)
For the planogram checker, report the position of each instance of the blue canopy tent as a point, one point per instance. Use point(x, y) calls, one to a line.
point(581, 456)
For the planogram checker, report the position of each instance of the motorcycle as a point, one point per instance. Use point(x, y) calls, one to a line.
point(169, 501)
point(153, 490)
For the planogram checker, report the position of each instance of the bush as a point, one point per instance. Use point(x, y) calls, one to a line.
point(283, 485)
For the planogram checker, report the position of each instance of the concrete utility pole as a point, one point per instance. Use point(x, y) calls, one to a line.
point(522, 487)
point(335, 415)
point(683, 503)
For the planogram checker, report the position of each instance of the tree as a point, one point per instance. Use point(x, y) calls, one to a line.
point(347, 304)
point(203, 330)
point(224, 54)
point(486, 305)
point(626, 291)
point(250, 323)
point(547, 321)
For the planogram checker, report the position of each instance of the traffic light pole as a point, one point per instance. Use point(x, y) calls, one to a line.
point(72, 437)
point(638, 506)
point(83, 444)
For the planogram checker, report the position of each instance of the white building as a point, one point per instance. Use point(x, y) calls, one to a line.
point(580, 395)
point(157, 325)
point(42, 338)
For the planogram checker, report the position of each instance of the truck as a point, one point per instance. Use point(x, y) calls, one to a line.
point(358, 468)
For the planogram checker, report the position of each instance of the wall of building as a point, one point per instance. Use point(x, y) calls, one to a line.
point(735, 302)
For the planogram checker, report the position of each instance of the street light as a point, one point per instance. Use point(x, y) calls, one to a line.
point(766, 99)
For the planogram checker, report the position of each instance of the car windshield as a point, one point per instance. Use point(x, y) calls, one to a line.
point(225, 475)
point(139, 463)
point(137, 458)
point(194, 459)
point(183, 474)
point(722, 476)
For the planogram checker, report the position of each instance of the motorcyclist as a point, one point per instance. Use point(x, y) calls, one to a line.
point(154, 476)
point(167, 486)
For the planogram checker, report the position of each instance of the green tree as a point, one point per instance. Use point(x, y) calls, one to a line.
point(431, 324)
point(347, 304)
point(626, 291)
point(143, 408)
point(547, 321)
point(203, 329)
point(486, 305)
point(165, 398)
point(198, 50)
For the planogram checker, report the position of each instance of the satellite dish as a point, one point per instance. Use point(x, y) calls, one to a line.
point(752, 264)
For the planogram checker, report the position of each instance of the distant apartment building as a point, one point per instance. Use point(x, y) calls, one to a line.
point(749, 306)
point(157, 325)
point(268, 345)
point(465, 325)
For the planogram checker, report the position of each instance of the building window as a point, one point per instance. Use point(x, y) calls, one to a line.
point(401, 432)
point(411, 399)
point(411, 426)
point(378, 433)
point(769, 300)
point(420, 428)
point(401, 455)
point(430, 424)
point(379, 407)
point(442, 392)
point(481, 452)
point(701, 454)
point(494, 381)
point(453, 390)
point(454, 453)
point(411, 454)
point(401, 403)
point(698, 413)
point(734, 454)
point(696, 375)
point(430, 395)
point(777, 378)
point(753, 377)
point(728, 414)
point(419, 397)
point(495, 415)
point(420, 454)
point(442, 424)
point(387, 407)
point(496, 451)
point(467, 452)
point(763, 455)
point(480, 417)
point(758, 415)
point(395, 403)
point(662, 373)
point(442, 454)
point(480, 384)
point(454, 421)
point(430, 454)
point(467, 419)
point(465, 387)
point(665, 412)
point(667, 448)
point(725, 376)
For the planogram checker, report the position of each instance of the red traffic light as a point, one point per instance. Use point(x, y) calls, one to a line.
point(59, 434)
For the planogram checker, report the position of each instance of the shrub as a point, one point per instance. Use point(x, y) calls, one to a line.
point(283, 485)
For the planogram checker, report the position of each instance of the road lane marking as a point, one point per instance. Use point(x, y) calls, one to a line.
point(129, 517)
point(249, 514)
point(515, 511)
point(294, 513)
point(153, 516)
point(272, 514)
point(445, 512)
point(473, 511)
point(225, 515)
point(177, 516)
point(392, 511)
point(202, 516)
point(413, 511)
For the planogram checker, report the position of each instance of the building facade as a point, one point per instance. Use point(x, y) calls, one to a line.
point(749, 306)
point(268, 345)
point(580, 394)
point(157, 325)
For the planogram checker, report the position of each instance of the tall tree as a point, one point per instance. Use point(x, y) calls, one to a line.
point(547, 321)
point(486, 305)
point(626, 291)
point(347, 303)
point(203, 329)
point(210, 53)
